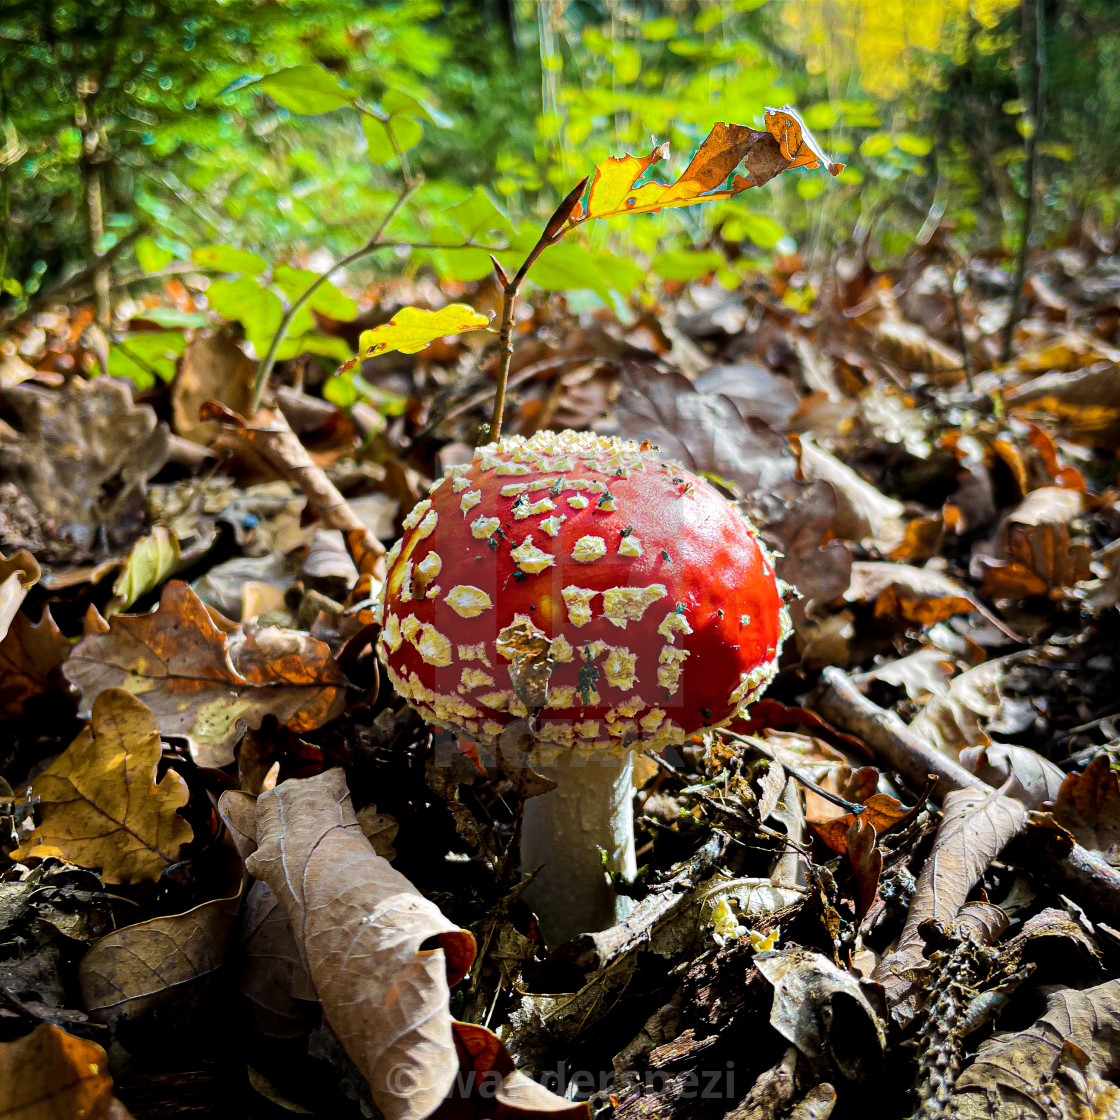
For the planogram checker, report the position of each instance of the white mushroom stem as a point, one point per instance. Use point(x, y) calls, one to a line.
point(591, 807)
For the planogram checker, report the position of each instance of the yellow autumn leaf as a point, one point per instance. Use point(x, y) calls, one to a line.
point(412, 329)
point(100, 805)
point(787, 142)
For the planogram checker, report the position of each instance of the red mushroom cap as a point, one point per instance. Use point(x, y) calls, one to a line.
point(581, 579)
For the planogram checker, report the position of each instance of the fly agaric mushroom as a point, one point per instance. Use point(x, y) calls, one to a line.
point(608, 600)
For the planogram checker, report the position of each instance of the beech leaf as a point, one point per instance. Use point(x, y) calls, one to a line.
point(413, 329)
point(205, 685)
point(49, 1074)
point(382, 959)
point(100, 803)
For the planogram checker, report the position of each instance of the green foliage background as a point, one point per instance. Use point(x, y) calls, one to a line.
point(248, 138)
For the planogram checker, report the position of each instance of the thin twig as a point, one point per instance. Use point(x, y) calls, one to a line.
point(553, 231)
point(371, 246)
point(1037, 114)
point(956, 287)
point(808, 783)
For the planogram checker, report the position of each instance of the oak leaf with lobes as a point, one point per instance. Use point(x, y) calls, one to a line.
point(100, 804)
point(204, 685)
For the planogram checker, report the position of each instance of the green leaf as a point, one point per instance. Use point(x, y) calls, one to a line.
point(153, 559)
point(226, 258)
point(151, 256)
point(146, 355)
point(11, 286)
point(914, 145)
point(412, 329)
point(877, 145)
point(478, 216)
point(657, 30)
point(396, 101)
point(326, 299)
point(463, 265)
point(244, 301)
point(760, 229)
point(327, 346)
point(173, 317)
point(407, 132)
point(569, 266)
point(307, 89)
point(683, 264)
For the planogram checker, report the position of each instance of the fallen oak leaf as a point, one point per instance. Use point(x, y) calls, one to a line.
point(99, 801)
point(881, 813)
point(204, 684)
point(49, 1074)
point(31, 655)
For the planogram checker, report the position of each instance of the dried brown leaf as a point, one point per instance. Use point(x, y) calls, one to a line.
point(1086, 403)
point(50, 1075)
point(381, 957)
point(955, 720)
point(212, 366)
point(881, 812)
point(1056, 1069)
point(974, 829)
point(1088, 805)
point(1033, 779)
point(917, 595)
point(205, 685)
point(867, 863)
point(83, 457)
point(100, 803)
point(31, 655)
point(131, 971)
point(909, 346)
point(17, 576)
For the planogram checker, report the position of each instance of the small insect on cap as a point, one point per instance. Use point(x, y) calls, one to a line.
point(582, 580)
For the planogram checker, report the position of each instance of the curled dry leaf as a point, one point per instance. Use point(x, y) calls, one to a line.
point(212, 366)
point(881, 812)
point(1035, 538)
point(1088, 805)
point(974, 829)
point(824, 1012)
point(1017, 771)
point(31, 655)
point(205, 685)
point(955, 720)
point(49, 1074)
point(17, 576)
point(132, 970)
point(861, 511)
point(918, 595)
point(1058, 1067)
point(867, 863)
point(83, 457)
point(1086, 403)
point(927, 672)
point(909, 346)
point(152, 559)
point(381, 957)
point(100, 803)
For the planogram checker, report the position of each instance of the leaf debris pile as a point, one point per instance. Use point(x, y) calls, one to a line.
point(240, 876)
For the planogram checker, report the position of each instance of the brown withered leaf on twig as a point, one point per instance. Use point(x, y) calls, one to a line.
point(31, 655)
point(83, 457)
point(1056, 1068)
point(866, 859)
point(881, 812)
point(205, 685)
point(914, 594)
point(132, 970)
point(382, 958)
point(49, 1074)
point(974, 829)
point(1088, 805)
point(100, 803)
